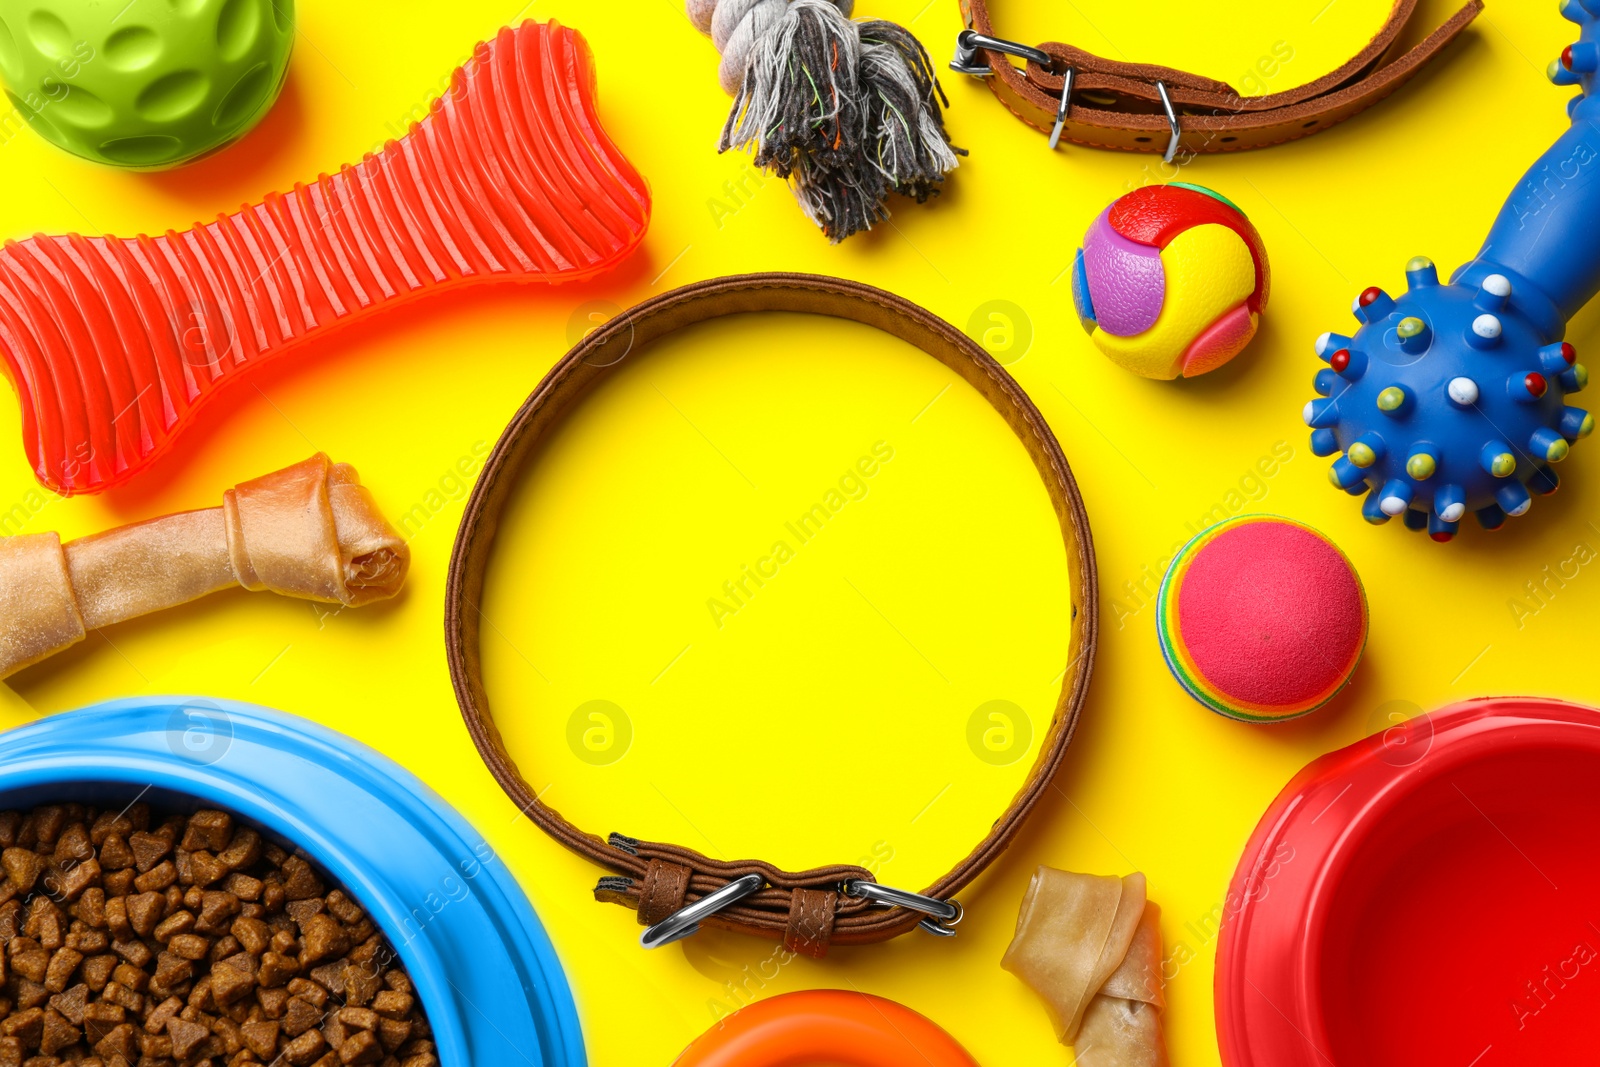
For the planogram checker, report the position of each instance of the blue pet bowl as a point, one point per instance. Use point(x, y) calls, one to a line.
point(483, 967)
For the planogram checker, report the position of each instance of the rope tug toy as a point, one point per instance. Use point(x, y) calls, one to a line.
point(847, 110)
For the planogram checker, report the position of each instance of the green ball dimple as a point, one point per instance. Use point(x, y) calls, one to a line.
point(238, 26)
point(151, 84)
point(1504, 465)
point(10, 58)
point(49, 34)
point(1421, 466)
point(1362, 455)
point(172, 97)
point(81, 107)
point(132, 48)
point(251, 92)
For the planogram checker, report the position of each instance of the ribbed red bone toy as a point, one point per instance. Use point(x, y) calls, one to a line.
point(114, 344)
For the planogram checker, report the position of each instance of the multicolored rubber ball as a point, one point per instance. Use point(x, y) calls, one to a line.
point(1171, 281)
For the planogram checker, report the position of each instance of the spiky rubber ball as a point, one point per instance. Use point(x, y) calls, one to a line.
point(1171, 280)
point(1261, 618)
point(145, 84)
point(1449, 399)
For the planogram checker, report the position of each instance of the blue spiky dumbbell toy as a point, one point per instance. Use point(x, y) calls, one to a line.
point(1452, 398)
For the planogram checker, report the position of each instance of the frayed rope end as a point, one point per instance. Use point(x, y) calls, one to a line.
point(847, 111)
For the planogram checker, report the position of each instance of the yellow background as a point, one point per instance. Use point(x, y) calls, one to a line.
point(827, 718)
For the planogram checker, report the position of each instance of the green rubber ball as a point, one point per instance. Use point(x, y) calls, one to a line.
point(143, 83)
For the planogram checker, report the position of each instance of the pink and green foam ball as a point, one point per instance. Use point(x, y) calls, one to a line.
point(1261, 618)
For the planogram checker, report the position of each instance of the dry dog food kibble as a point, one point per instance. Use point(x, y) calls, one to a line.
point(138, 938)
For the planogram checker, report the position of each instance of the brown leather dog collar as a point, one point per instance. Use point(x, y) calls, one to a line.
point(808, 910)
point(1140, 107)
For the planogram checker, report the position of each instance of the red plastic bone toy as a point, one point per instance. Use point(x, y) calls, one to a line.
point(114, 344)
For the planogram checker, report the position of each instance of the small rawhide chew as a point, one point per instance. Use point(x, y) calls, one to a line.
point(1090, 946)
point(848, 110)
point(310, 531)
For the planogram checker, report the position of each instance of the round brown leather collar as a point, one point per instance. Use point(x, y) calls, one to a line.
point(803, 908)
point(1119, 105)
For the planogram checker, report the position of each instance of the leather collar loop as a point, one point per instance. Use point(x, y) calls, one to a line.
point(1117, 104)
point(656, 877)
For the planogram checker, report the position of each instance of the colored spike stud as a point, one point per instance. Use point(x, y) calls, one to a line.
point(1372, 305)
point(1527, 388)
point(1485, 332)
point(1394, 401)
point(1582, 57)
point(1496, 458)
point(1556, 358)
point(1345, 474)
point(1372, 509)
point(1348, 365)
point(1463, 391)
point(1413, 335)
point(1514, 499)
point(1548, 445)
point(1421, 464)
point(1395, 497)
point(1442, 530)
point(1450, 503)
point(1320, 413)
point(1494, 293)
point(1421, 273)
point(1330, 343)
point(1576, 423)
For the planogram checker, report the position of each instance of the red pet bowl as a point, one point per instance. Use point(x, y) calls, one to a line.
point(1430, 895)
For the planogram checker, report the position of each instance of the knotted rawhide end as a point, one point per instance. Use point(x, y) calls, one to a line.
point(310, 531)
point(313, 531)
point(846, 111)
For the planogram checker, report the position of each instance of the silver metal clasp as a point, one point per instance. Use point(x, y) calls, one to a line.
point(942, 914)
point(1172, 122)
point(970, 42)
point(686, 920)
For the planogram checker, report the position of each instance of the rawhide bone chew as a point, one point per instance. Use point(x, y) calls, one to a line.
point(1452, 398)
point(310, 531)
point(114, 344)
point(1090, 946)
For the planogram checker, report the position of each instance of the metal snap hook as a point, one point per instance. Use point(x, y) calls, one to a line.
point(1061, 109)
point(1172, 122)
